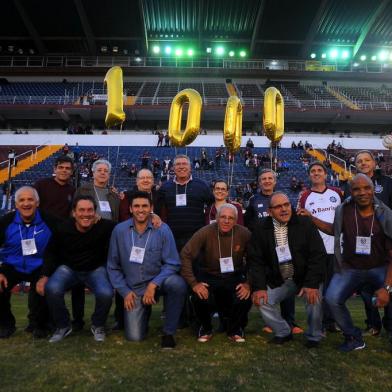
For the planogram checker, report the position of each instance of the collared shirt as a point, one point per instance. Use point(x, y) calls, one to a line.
point(160, 258)
point(176, 182)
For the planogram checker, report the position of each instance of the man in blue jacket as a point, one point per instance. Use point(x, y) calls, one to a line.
point(24, 236)
point(143, 264)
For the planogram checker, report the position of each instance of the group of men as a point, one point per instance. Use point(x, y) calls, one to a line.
point(326, 249)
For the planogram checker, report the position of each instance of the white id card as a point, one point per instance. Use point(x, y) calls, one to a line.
point(283, 253)
point(104, 206)
point(212, 221)
point(363, 245)
point(181, 200)
point(137, 255)
point(29, 247)
point(226, 264)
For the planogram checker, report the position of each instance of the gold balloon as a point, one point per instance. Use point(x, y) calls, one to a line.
point(114, 82)
point(177, 137)
point(273, 116)
point(232, 129)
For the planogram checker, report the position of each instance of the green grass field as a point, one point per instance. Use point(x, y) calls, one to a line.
point(80, 364)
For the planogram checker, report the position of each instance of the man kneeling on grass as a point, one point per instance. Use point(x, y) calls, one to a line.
point(219, 249)
point(77, 253)
point(143, 264)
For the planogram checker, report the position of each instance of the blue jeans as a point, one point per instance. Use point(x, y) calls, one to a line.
point(279, 325)
point(63, 279)
point(343, 285)
point(174, 290)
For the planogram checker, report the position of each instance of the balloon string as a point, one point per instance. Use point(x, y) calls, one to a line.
point(118, 153)
point(232, 174)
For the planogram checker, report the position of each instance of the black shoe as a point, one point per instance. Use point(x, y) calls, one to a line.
point(281, 340)
point(77, 325)
point(168, 342)
point(118, 326)
point(40, 333)
point(5, 333)
point(312, 344)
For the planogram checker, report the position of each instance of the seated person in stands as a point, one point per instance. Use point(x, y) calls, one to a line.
point(294, 183)
point(124, 164)
point(196, 164)
point(293, 145)
point(133, 170)
point(250, 143)
point(300, 144)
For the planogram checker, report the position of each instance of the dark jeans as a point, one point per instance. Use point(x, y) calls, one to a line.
point(64, 278)
point(223, 297)
point(328, 319)
point(119, 309)
point(38, 311)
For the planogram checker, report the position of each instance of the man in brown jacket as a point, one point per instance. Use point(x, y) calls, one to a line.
point(217, 252)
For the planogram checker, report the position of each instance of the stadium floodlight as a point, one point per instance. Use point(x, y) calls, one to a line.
point(345, 54)
point(383, 55)
point(168, 49)
point(178, 52)
point(220, 50)
point(323, 55)
point(138, 59)
point(156, 49)
point(209, 50)
point(333, 53)
point(363, 57)
point(242, 53)
point(356, 64)
point(190, 52)
point(231, 53)
point(374, 58)
point(313, 55)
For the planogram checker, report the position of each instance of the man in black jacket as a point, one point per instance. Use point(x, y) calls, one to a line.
point(286, 256)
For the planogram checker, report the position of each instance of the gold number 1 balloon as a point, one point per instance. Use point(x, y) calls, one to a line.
point(273, 116)
point(232, 130)
point(177, 137)
point(114, 82)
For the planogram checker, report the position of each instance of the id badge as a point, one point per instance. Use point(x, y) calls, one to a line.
point(104, 206)
point(226, 264)
point(137, 255)
point(29, 247)
point(363, 245)
point(181, 200)
point(283, 253)
point(212, 221)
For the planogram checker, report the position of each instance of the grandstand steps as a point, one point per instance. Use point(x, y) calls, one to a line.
point(342, 98)
point(30, 161)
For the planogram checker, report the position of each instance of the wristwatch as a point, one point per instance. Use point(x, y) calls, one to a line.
point(388, 288)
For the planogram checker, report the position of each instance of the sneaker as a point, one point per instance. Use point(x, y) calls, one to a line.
point(370, 331)
point(204, 336)
point(168, 342)
point(60, 334)
point(351, 344)
point(296, 330)
point(267, 329)
point(237, 338)
point(5, 333)
point(281, 339)
point(99, 333)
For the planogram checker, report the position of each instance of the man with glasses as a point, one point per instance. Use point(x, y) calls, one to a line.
point(286, 256)
point(221, 280)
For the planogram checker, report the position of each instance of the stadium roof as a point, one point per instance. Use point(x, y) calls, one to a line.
point(264, 28)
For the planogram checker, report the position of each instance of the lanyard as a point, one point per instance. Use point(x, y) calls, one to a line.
point(34, 233)
point(96, 193)
point(185, 189)
point(231, 248)
point(133, 241)
point(356, 222)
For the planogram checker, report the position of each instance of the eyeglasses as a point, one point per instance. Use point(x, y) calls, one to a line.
point(280, 206)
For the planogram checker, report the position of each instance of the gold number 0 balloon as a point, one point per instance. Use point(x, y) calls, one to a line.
point(114, 82)
point(232, 130)
point(273, 116)
point(192, 128)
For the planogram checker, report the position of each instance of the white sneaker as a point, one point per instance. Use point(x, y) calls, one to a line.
point(99, 333)
point(60, 334)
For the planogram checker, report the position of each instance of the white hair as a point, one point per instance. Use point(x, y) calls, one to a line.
point(230, 207)
point(24, 189)
point(101, 162)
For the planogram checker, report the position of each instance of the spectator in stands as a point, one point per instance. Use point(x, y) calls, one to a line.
point(167, 140)
point(143, 263)
point(321, 201)
point(196, 163)
point(363, 244)
point(8, 190)
point(106, 198)
point(300, 145)
point(133, 170)
point(294, 184)
point(250, 144)
point(286, 257)
point(160, 139)
point(293, 145)
point(124, 164)
point(307, 145)
point(144, 159)
point(221, 273)
point(221, 195)
point(204, 159)
point(218, 158)
point(258, 208)
point(24, 235)
point(65, 149)
point(155, 166)
point(77, 253)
